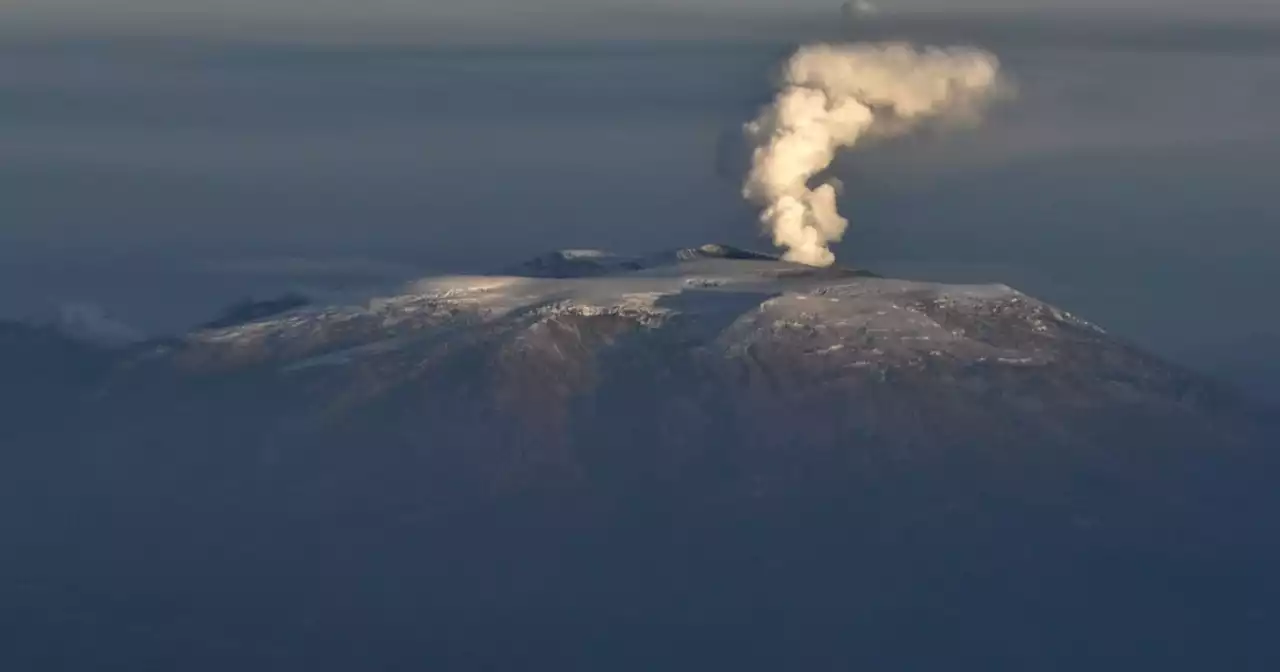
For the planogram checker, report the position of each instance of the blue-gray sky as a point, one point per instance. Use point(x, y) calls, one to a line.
point(480, 19)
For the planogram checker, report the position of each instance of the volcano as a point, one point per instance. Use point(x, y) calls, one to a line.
point(588, 453)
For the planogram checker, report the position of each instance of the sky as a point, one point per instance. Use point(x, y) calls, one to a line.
point(513, 19)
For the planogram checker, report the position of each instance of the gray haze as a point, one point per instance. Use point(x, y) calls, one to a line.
point(390, 10)
point(1132, 181)
point(439, 21)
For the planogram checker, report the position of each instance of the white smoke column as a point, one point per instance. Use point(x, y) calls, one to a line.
point(831, 97)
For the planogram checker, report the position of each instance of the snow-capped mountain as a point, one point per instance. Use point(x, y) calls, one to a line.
point(598, 441)
point(667, 359)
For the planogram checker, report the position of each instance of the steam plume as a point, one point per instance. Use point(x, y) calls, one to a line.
point(831, 97)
